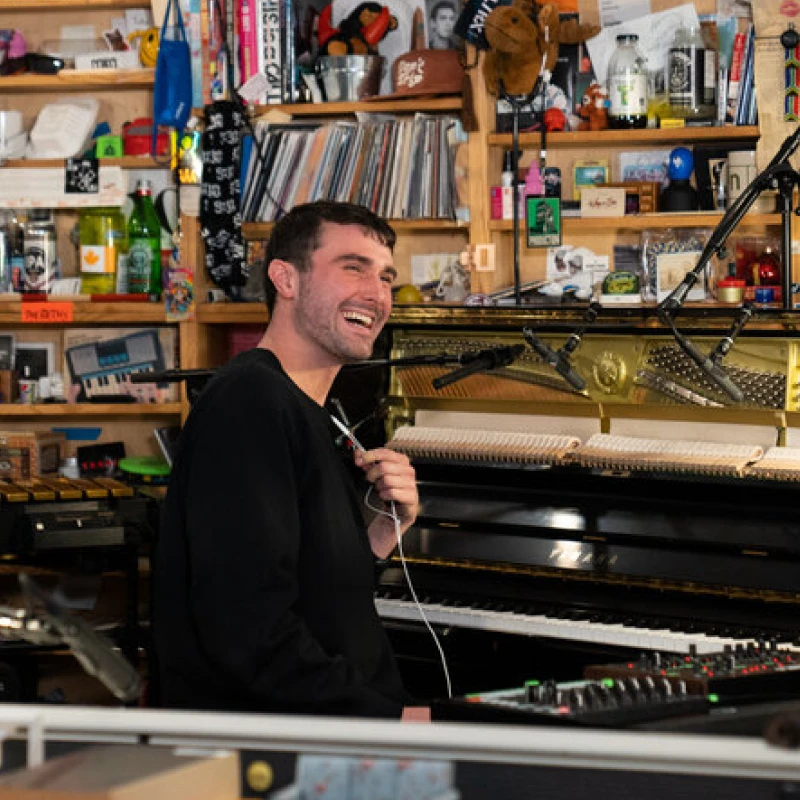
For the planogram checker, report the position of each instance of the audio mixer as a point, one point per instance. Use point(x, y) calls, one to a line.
point(608, 702)
point(759, 671)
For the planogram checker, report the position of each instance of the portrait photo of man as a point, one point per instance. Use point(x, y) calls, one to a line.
point(442, 16)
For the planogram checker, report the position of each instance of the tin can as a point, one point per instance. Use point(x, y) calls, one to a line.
point(41, 252)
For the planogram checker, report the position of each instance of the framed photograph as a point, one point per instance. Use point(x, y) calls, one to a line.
point(588, 173)
point(644, 166)
point(6, 351)
point(39, 357)
point(543, 221)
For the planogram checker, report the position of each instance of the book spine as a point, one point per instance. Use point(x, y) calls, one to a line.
point(271, 61)
point(248, 41)
point(735, 75)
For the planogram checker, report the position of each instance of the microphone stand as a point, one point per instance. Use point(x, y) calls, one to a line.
point(517, 104)
point(53, 625)
point(778, 173)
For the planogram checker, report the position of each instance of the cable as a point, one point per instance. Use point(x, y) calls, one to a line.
point(392, 514)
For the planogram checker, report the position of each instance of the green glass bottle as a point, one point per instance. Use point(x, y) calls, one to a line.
point(144, 244)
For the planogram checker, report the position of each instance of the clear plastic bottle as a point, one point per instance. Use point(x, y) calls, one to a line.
point(691, 76)
point(103, 246)
point(144, 243)
point(627, 84)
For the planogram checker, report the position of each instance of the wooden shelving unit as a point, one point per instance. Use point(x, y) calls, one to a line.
point(377, 106)
point(68, 5)
point(55, 410)
point(640, 222)
point(630, 138)
point(85, 312)
point(126, 162)
point(261, 230)
point(73, 80)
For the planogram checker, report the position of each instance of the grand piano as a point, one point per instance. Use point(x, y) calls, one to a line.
point(534, 564)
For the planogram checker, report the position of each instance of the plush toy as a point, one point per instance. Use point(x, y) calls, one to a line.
point(358, 33)
point(594, 109)
point(523, 44)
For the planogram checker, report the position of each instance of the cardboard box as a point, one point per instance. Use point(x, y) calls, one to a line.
point(126, 772)
point(589, 10)
point(8, 386)
point(29, 454)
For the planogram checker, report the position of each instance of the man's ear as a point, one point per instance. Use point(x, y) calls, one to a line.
point(285, 278)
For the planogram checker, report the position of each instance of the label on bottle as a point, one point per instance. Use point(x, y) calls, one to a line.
point(140, 266)
point(687, 67)
point(41, 262)
point(627, 95)
point(98, 259)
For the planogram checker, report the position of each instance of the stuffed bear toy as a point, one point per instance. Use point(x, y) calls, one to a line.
point(358, 33)
point(523, 44)
point(594, 109)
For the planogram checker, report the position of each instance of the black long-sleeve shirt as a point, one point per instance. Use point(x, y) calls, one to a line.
point(263, 571)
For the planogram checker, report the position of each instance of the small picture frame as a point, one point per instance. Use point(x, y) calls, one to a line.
point(588, 173)
point(39, 357)
point(543, 221)
point(6, 351)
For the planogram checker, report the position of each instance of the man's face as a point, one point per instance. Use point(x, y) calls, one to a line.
point(346, 296)
point(444, 22)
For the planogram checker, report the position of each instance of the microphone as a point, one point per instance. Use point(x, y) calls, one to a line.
point(708, 366)
point(54, 625)
point(482, 361)
point(556, 359)
point(726, 343)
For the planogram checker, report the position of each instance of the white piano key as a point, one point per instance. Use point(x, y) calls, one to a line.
point(549, 627)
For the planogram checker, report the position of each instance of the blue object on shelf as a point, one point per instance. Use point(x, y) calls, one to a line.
point(80, 434)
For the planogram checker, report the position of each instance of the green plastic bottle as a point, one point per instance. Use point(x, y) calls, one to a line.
point(144, 244)
point(103, 246)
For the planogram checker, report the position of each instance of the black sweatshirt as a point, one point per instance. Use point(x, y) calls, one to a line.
point(263, 576)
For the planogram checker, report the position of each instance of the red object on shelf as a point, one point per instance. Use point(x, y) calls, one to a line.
point(137, 137)
point(120, 298)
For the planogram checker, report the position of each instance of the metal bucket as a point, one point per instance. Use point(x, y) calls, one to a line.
point(350, 78)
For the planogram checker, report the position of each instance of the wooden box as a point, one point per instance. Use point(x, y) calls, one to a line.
point(126, 772)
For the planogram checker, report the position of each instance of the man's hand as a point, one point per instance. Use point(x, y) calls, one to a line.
point(395, 481)
point(416, 714)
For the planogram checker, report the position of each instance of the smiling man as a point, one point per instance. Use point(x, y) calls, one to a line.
point(264, 566)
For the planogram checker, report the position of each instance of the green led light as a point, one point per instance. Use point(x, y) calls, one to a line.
point(713, 698)
point(609, 682)
point(533, 683)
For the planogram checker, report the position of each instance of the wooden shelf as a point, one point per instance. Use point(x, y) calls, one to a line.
point(88, 313)
point(648, 136)
point(68, 5)
point(126, 162)
point(232, 313)
point(261, 230)
point(90, 410)
point(639, 222)
point(377, 106)
point(72, 80)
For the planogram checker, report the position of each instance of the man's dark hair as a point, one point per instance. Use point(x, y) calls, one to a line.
point(297, 235)
point(437, 7)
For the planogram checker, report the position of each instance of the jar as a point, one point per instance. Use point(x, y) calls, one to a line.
point(730, 290)
point(103, 246)
point(627, 85)
point(692, 77)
